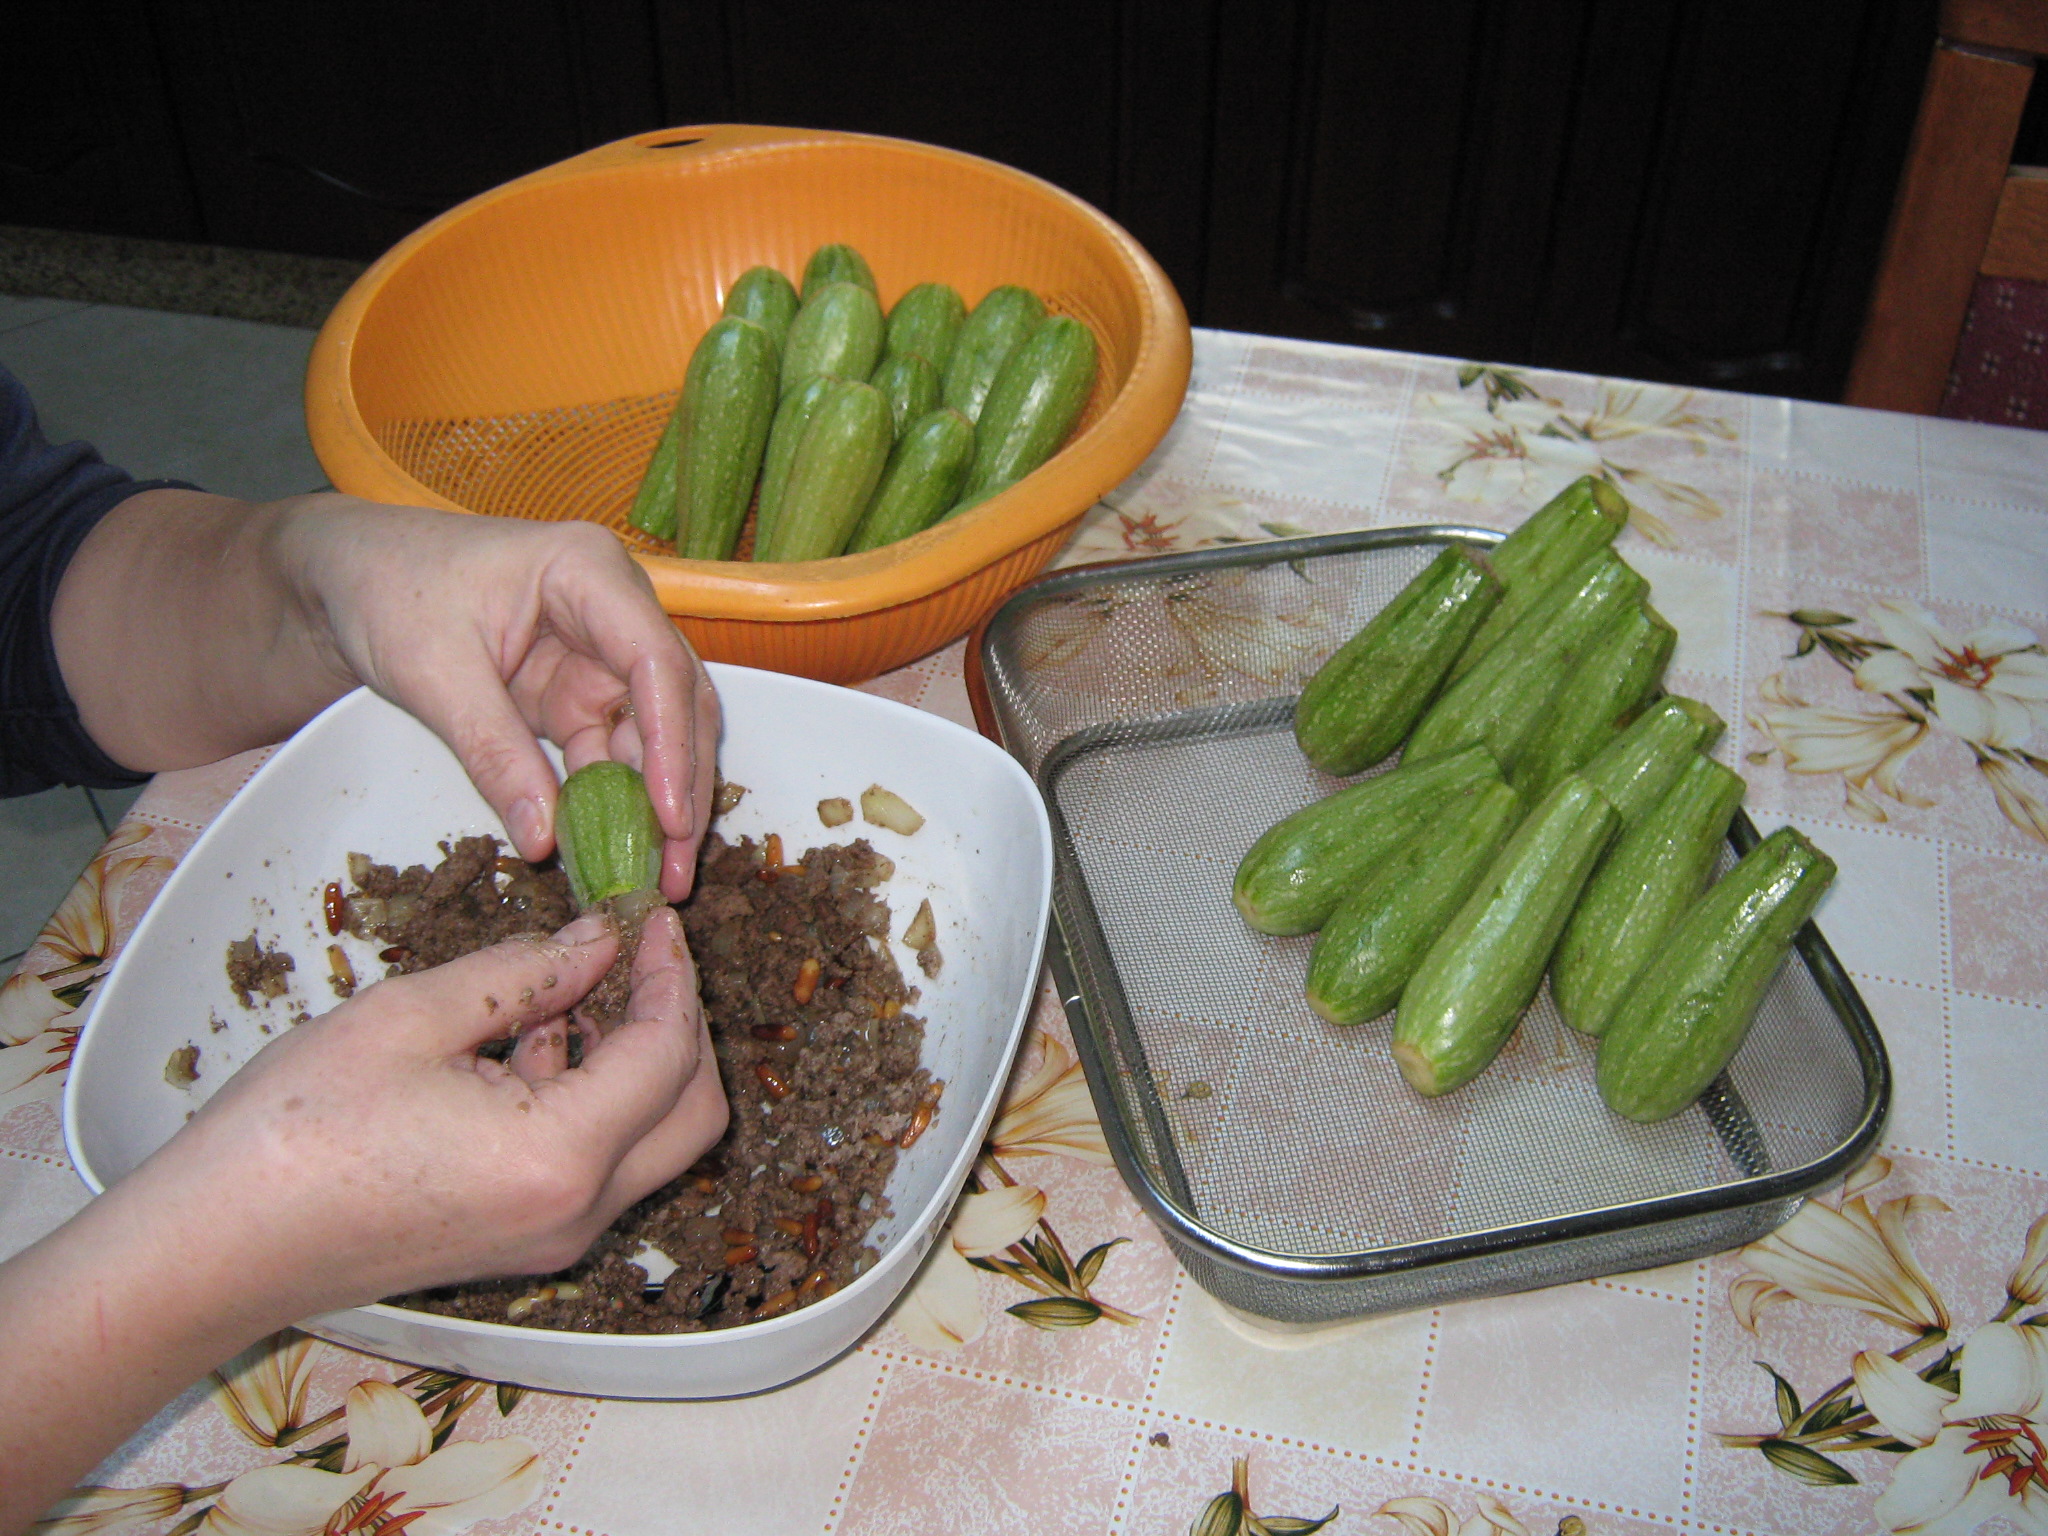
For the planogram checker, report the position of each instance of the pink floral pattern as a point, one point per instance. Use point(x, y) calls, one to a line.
point(1876, 696)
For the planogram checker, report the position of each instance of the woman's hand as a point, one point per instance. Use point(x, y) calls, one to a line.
point(393, 1157)
point(365, 1154)
point(494, 631)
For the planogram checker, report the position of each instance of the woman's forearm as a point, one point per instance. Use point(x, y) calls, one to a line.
point(102, 1323)
point(185, 634)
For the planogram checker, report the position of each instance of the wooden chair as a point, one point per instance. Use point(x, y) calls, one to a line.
point(1963, 209)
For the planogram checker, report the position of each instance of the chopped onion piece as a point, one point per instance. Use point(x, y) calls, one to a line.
point(836, 812)
point(923, 931)
point(886, 808)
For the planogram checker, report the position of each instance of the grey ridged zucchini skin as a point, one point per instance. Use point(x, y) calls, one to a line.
point(925, 321)
point(838, 331)
point(1501, 701)
point(1373, 942)
point(1292, 878)
point(1655, 871)
point(926, 469)
point(836, 264)
point(727, 405)
point(1559, 536)
point(837, 464)
point(1688, 1012)
point(992, 330)
point(1635, 769)
point(1470, 989)
point(764, 296)
point(1622, 670)
point(1366, 698)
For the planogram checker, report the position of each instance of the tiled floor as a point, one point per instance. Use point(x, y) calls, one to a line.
point(215, 402)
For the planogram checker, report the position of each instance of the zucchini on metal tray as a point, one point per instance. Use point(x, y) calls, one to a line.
point(1558, 537)
point(1364, 700)
point(1657, 869)
point(1469, 991)
point(1293, 877)
point(1373, 942)
point(1688, 1012)
point(1504, 698)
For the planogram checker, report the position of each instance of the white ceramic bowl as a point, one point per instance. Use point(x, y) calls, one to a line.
point(366, 777)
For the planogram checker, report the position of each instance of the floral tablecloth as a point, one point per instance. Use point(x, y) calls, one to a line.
point(1860, 595)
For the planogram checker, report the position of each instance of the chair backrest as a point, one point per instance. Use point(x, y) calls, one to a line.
point(1961, 210)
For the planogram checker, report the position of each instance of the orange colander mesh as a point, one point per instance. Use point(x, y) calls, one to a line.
point(519, 355)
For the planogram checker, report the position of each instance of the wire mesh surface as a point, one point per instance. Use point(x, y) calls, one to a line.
point(582, 461)
point(1297, 1175)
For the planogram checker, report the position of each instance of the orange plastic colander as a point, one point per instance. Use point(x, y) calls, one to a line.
point(519, 355)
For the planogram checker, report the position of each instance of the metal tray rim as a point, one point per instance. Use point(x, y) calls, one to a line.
point(1182, 1225)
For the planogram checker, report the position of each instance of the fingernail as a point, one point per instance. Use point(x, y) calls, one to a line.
point(527, 823)
point(587, 929)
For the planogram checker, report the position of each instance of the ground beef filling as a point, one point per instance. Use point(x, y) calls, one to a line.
point(819, 1060)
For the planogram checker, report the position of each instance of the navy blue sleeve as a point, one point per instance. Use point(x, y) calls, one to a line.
point(50, 498)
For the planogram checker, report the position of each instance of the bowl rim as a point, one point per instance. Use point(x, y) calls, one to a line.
point(918, 1231)
point(847, 585)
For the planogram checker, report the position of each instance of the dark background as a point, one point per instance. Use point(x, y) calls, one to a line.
point(1689, 192)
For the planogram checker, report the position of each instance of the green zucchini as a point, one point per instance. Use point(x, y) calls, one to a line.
point(605, 827)
point(654, 503)
point(910, 385)
point(1503, 699)
point(1657, 869)
point(1687, 1013)
point(791, 417)
point(925, 321)
point(831, 477)
point(1378, 935)
point(836, 264)
point(1032, 405)
point(997, 325)
point(1559, 536)
point(1470, 989)
point(926, 469)
point(1635, 769)
point(1292, 878)
point(838, 331)
point(1623, 668)
point(1366, 698)
point(764, 296)
point(728, 402)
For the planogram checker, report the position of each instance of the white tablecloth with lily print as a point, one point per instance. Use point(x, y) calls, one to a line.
point(1860, 595)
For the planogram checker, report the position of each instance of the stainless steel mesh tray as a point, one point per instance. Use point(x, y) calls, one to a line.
point(1293, 1172)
